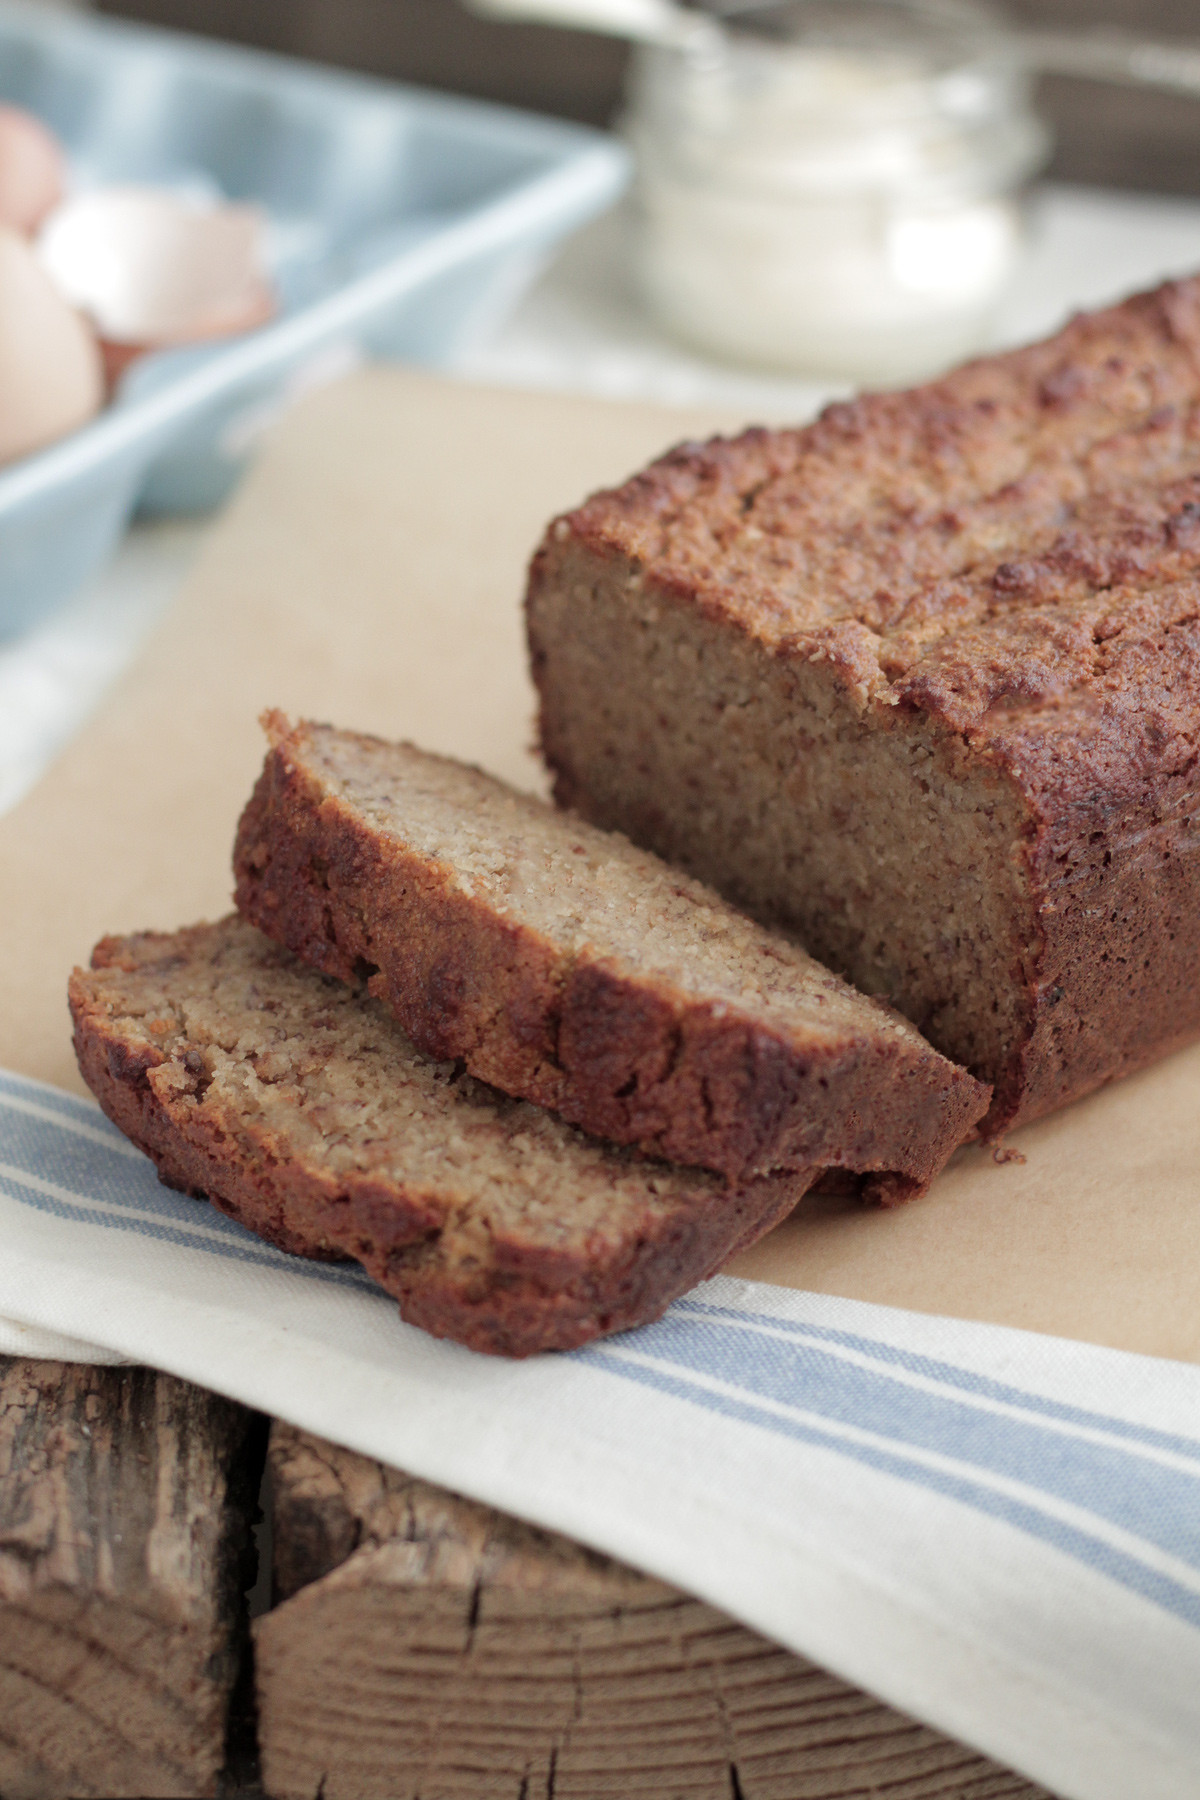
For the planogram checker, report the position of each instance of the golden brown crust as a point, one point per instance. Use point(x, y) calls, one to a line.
point(527, 1295)
point(898, 520)
point(1010, 556)
point(622, 1054)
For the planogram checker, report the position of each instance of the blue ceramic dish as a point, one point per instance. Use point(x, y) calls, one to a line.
point(401, 221)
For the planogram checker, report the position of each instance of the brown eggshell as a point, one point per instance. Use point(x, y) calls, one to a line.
point(51, 379)
point(151, 269)
point(32, 170)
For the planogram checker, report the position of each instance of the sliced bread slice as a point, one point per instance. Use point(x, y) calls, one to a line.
point(568, 967)
point(298, 1106)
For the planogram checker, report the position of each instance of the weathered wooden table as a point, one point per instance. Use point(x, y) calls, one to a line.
point(408, 1643)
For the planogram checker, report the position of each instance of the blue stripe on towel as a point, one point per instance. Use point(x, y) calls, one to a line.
point(94, 1176)
point(1099, 1556)
point(953, 1374)
point(238, 1245)
point(71, 1106)
point(1131, 1486)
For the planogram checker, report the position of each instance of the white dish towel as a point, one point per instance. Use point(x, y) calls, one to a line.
point(996, 1531)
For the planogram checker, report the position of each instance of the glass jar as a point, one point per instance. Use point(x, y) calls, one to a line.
point(832, 187)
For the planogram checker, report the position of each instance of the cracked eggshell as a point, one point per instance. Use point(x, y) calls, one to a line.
point(51, 375)
point(151, 269)
point(33, 170)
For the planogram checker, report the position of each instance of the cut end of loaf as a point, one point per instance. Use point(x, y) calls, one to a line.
point(877, 841)
point(920, 681)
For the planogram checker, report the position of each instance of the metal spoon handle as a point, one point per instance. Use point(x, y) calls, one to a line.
point(1114, 56)
point(1098, 55)
point(645, 21)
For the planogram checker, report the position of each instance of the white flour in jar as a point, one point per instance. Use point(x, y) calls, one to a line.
point(826, 210)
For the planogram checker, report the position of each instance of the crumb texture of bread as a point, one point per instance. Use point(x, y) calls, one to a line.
point(921, 682)
point(296, 1104)
point(570, 968)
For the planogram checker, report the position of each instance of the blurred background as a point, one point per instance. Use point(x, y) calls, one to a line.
point(1106, 135)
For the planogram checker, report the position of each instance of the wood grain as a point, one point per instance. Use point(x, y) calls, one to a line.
point(125, 1502)
point(426, 1648)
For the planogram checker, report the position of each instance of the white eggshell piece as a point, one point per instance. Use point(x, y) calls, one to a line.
point(32, 170)
point(51, 380)
point(150, 268)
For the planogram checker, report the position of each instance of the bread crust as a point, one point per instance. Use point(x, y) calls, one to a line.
point(626, 1057)
point(1005, 564)
point(527, 1297)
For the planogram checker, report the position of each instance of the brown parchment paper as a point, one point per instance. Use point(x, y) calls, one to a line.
point(370, 573)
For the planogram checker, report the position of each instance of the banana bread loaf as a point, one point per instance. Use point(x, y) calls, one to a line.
point(297, 1105)
point(922, 683)
point(569, 968)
